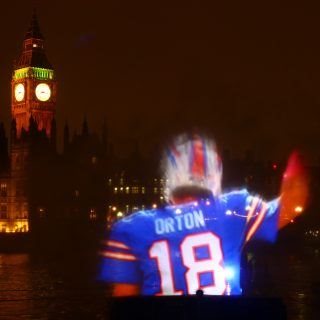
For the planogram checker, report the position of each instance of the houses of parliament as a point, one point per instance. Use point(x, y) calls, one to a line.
point(37, 184)
point(86, 183)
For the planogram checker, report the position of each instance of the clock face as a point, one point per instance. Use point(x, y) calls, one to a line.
point(43, 92)
point(19, 92)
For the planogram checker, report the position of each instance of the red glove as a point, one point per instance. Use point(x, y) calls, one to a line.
point(294, 190)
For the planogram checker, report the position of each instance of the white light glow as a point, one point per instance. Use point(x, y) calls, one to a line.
point(228, 290)
point(229, 273)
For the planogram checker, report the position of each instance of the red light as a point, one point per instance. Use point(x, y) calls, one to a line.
point(274, 166)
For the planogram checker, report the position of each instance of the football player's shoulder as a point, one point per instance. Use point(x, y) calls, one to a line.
point(234, 197)
point(134, 219)
point(235, 202)
point(181, 207)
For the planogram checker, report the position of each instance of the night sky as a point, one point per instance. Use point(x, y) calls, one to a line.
point(247, 72)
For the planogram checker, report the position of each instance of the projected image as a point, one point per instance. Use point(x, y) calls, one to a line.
point(195, 241)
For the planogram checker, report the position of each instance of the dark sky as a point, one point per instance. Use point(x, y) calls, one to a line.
point(248, 72)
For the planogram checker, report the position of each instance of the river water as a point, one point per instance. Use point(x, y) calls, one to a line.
point(61, 283)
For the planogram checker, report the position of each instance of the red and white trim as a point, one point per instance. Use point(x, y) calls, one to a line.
point(256, 224)
point(119, 256)
point(117, 244)
point(252, 209)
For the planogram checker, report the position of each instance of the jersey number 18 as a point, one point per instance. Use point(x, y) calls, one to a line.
point(160, 251)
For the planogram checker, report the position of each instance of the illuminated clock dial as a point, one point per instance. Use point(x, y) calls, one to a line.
point(19, 92)
point(43, 92)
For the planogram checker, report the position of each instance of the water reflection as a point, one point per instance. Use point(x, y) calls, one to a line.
point(294, 276)
point(15, 285)
point(41, 287)
point(61, 284)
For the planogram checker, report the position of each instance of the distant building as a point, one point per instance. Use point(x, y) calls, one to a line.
point(128, 194)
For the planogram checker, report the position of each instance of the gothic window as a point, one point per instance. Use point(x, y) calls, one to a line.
point(3, 189)
point(3, 212)
point(135, 190)
point(19, 189)
point(18, 161)
point(25, 211)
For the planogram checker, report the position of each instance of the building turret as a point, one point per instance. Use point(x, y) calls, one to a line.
point(105, 138)
point(53, 137)
point(85, 127)
point(66, 138)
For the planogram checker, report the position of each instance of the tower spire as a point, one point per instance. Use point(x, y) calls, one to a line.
point(85, 127)
point(34, 29)
point(33, 53)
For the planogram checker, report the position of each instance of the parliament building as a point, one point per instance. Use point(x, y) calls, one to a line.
point(85, 184)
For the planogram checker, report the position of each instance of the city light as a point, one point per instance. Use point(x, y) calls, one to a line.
point(21, 225)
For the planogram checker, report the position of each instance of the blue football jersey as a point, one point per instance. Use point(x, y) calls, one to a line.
point(180, 249)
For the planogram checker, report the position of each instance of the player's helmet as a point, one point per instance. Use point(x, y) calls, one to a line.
point(192, 162)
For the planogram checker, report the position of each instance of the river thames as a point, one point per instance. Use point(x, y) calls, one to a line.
point(60, 283)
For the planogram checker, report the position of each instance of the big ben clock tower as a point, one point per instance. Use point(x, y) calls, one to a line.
point(33, 84)
point(33, 103)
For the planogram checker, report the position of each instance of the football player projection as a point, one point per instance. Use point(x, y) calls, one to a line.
point(195, 242)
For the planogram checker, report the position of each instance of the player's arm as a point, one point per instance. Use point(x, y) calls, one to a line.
point(294, 190)
point(257, 217)
point(120, 264)
point(261, 219)
point(264, 219)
